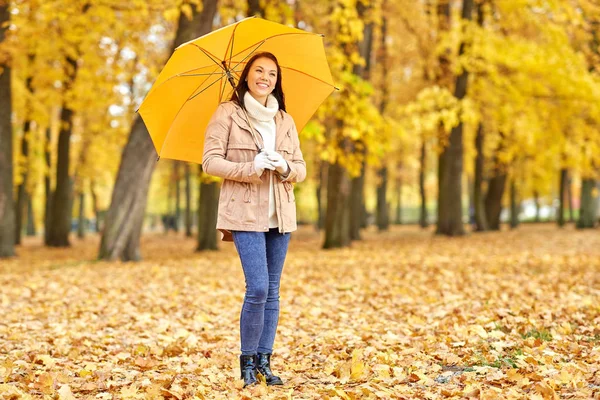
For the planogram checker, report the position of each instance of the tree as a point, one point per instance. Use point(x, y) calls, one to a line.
point(124, 218)
point(451, 160)
point(7, 208)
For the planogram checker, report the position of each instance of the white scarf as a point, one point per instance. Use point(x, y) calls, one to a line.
point(263, 120)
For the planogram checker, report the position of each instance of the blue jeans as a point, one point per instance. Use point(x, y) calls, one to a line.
point(262, 255)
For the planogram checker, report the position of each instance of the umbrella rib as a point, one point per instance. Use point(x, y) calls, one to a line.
point(271, 37)
point(248, 55)
point(212, 57)
point(181, 108)
point(202, 91)
point(304, 73)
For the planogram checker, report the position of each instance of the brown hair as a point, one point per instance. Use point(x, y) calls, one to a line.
point(242, 86)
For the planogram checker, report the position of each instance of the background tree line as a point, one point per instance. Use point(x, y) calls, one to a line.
point(463, 106)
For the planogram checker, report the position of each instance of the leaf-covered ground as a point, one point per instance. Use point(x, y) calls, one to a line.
point(400, 315)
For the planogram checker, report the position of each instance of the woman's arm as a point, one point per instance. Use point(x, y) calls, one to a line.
point(297, 171)
point(215, 147)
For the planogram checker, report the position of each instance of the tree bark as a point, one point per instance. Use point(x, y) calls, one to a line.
point(125, 216)
point(481, 223)
point(207, 216)
point(562, 192)
point(423, 216)
point(514, 205)
point(588, 210)
point(188, 201)
point(337, 232)
point(493, 199)
point(450, 221)
point(7, 206)
point(81, 219)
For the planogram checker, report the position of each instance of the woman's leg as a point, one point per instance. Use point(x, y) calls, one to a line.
point(277, 245)
point(253, 255)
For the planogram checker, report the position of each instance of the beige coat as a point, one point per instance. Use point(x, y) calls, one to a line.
point(229, 151)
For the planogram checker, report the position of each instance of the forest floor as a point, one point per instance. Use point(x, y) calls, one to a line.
point(399, 315)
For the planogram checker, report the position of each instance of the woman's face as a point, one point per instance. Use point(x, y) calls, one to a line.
point(262, 78)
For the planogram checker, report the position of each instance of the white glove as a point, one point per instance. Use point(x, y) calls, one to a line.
point(278, 162)
point(261, 162)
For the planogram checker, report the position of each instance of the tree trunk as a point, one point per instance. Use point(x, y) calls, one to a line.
point(383, 208)
point(95, 205)
point(451, 160)
point(493, 199)
point(356, 213)
point(536, 199)
point(514, 205)
point(30, 217)
point(125, 216)
point(589, 204)
point(22, 188)
point(81, 219)
point(176, 169)
point(254, 8)
point(399, 201)
point(7, 206)
point(319, 192)
point(562, 192)
point(383, 217)
point(188, 202)
point(47, 184)
point(570, 200)
point(481, 223)
point(337, 233)
point(207, 216)
point(60, 213)
point(423, 216)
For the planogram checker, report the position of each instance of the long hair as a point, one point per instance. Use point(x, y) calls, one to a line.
point(242, 86)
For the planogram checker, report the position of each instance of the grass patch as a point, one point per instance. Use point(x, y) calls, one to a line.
point(543, 334)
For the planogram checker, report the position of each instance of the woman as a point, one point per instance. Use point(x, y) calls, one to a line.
point(253, 144)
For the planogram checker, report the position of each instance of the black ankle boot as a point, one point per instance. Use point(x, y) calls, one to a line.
point(248, 369)
point(263, 366)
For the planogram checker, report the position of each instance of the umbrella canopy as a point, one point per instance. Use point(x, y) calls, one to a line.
point(200, 74)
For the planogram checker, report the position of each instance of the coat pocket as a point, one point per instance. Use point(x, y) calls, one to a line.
point(240, 207)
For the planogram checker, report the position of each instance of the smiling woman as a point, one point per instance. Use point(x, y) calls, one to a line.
point(253, 144)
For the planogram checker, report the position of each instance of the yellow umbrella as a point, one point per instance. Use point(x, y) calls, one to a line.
point(200, 74)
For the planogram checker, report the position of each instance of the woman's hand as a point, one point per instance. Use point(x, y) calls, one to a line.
point(261, 162)
point(278, 162)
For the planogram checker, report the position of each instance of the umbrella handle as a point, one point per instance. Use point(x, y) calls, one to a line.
point(228, 73)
